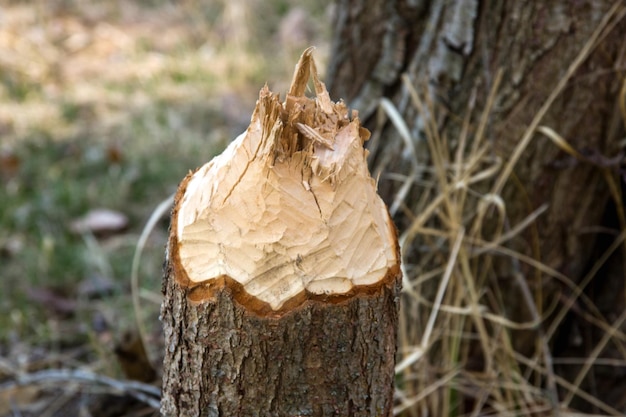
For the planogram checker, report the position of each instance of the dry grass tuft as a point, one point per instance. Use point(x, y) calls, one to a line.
point(457, 340)
point(456, 337)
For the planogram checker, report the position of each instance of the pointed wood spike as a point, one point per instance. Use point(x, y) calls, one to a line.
point(302, 73)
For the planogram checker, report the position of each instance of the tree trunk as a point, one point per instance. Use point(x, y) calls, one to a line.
point(323, 359)
point(457, 48)
point(452, 52)
point(282, 272)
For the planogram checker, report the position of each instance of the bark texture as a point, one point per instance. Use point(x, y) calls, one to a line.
point(452, 51)
point(322, 359)
point(455, 48)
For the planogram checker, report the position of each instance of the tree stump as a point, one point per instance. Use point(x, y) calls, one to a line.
point(282, 270)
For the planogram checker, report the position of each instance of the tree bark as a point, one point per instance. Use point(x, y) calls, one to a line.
point(322, 359)
point(456, 48)
point(453, 51)
point(282, 272)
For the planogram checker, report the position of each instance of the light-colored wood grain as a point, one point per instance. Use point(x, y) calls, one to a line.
point(290, 206)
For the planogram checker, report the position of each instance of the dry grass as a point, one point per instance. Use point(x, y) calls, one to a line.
point(81, 63)
point(456, 340)
point(457, 343)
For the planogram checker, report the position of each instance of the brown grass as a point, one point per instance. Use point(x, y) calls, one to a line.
point(457, 350)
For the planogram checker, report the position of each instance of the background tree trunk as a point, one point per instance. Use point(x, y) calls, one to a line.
point(452, 51)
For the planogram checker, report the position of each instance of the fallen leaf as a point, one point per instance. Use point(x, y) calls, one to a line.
point(100, 221)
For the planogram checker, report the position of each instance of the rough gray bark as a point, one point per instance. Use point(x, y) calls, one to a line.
point(322, 359)
point(456, 48)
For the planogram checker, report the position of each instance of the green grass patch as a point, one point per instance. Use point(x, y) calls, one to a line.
point(60, 179)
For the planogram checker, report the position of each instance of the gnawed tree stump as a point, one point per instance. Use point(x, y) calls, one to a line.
point(282, 271)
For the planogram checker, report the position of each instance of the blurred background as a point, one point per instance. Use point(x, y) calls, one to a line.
point(104, 107)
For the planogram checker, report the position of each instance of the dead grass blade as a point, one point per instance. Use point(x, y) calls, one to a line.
point(146, 393)
point(456, 335)
point(163, 208)
point(611, 18)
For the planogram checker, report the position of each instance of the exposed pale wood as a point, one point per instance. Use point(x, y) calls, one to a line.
point(282, 272)
point(289, 207)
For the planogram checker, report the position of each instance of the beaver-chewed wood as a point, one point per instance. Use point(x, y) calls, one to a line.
point(282, 272)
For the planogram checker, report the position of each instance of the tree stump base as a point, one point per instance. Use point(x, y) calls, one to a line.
point(322, 359)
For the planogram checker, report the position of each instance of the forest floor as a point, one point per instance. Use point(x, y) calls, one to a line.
point(104, 108)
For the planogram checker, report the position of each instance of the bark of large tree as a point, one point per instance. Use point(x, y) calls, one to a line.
point(282, 274)
point(453, 51)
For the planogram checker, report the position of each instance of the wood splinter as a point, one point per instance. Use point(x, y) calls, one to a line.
point(282, 271)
